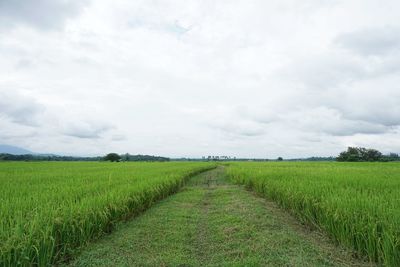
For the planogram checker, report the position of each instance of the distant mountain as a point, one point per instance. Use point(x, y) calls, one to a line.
point(14, 150)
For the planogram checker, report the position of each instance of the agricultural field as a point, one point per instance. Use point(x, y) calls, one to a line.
point(356, 204)
point(292, 214)
point(49, 209)
point(213, 222)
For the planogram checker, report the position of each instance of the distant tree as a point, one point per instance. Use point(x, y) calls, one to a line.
point(112, 157)
point(126, 157)
point(355, 154)
point(129, 157)
point(280, 159)
point(29, 157)
point(372, 155)
point(390, 157)
point(352, 154)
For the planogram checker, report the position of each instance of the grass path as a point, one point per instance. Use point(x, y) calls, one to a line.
point(212, 222)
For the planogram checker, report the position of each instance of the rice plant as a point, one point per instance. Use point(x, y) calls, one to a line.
point(357, 204)
point(48, 209)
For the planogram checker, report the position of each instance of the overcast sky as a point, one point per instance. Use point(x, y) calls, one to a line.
point(191, 78)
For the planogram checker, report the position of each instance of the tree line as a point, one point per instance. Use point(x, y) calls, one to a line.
point(108, 157)
point(30, 157)
point(359, 154)
point(114, 157)
point(352, 154)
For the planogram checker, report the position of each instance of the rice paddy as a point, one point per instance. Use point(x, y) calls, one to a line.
point(357, 204)
point(49, 209)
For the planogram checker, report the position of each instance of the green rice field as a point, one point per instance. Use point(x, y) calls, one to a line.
point(50, 210)
point(357, 204)
point(47, 209)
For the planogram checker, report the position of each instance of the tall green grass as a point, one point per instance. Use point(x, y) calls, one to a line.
point(357, 204)
point(47, 209)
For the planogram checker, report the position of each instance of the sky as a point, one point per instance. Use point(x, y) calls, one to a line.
point(191, 78)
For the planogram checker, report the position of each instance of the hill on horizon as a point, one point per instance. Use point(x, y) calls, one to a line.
point(15, 150)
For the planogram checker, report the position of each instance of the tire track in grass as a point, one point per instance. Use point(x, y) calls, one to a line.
point(212, 222)
point(208, 182)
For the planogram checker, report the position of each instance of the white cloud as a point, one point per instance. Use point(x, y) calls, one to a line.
point(191, 78)
point(19, 109)
point(86, 129)
point(44, 14)
point(371, 41)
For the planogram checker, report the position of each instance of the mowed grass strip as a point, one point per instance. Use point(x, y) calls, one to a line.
point(48, 209)
point(357, 204)
point(213, 223)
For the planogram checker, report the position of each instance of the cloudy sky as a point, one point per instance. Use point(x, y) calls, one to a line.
point(242, 78)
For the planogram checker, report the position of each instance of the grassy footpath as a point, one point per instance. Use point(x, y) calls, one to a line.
point(213, 223)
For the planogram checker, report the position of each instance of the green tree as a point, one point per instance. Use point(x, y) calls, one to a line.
point(372, 155)
point(112, 157)
point(360, 154)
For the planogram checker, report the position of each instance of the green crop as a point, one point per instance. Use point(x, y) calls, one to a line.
point(357, 204)
point(48, 209)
